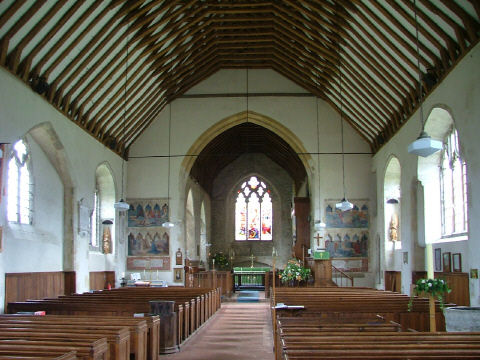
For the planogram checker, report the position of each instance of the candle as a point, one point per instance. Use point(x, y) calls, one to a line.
point(157, 274)
point(123, 274)
point(144, 274)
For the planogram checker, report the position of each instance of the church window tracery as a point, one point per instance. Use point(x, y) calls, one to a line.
point(253, 211)
point(453, 187)
point(19, 185)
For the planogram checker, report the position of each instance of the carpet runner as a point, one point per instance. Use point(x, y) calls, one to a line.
point(239, 331)
point(248, 296)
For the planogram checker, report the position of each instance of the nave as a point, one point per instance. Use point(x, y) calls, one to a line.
point(239, 331)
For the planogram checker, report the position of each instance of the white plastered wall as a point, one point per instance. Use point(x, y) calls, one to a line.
point(459, 92)
point(192, 117)
point(39, 247)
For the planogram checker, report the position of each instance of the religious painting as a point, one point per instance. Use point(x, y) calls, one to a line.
point(438, 259)
point(447, 265)
point(346, 244)
point(346, 235)
point(355, 218)
point(178, 274)
point(147, 212)
point(148, 263)
point(148, 242)
point(457, 262)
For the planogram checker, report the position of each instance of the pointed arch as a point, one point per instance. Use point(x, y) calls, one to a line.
point(243, 117)
point(391, 200)
point(46, 137)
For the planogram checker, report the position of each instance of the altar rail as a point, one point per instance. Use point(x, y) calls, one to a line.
point(214, 279)
point(340, 278)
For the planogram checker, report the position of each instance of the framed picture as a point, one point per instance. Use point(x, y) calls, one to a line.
point(178, 274)
point(447, 265)
point(438, 259)
point(457, 262)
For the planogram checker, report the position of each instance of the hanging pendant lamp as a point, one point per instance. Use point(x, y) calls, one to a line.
point(343, 205)
point(424, 145)
point(122, 205)
point(168, 223)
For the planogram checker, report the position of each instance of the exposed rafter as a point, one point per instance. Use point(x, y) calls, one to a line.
point(74, 52)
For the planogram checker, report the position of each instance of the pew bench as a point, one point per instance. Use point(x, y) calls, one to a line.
point(96, 350)
point(125, 334)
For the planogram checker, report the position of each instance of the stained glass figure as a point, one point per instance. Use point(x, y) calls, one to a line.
point(253, 211)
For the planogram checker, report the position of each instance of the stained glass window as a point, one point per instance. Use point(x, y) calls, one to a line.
point(19, 185)
point(253, 211)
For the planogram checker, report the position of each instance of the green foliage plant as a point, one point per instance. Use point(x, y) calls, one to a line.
point(437, 288)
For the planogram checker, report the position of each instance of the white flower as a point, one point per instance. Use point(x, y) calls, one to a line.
point(430, 284)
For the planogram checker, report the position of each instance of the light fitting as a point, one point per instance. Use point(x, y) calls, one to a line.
point(122, 205)
point(392, 201)
point(168, 223)
point(424, 145)
point(344, 205)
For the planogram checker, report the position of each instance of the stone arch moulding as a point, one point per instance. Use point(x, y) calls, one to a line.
point(47, 139)
point(255, 118)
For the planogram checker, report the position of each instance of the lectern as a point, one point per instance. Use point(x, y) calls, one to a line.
point(322, 272)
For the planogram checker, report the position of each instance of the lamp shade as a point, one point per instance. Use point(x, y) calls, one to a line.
point(344, 205)
point(121, 205)
point(424, 145)
point(168, 224)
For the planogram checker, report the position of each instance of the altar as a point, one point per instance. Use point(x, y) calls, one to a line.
point(250, 277)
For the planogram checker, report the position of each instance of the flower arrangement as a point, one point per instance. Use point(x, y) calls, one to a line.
point(434, 287)
point(293, 271)
point(221, 261)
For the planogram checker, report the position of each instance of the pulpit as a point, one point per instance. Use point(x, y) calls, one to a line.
point(322, 272)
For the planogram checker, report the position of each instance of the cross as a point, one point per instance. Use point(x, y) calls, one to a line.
point(318, 237)
point(251, 260)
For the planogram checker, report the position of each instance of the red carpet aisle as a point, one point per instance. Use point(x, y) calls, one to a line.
point(239, 331)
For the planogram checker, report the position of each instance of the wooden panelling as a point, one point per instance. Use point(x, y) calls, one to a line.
point(458, 282)
point(99, 280)
point(393, 281)
point(302, 227)
point(37, 285)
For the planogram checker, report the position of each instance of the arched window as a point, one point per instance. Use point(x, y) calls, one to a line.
point(94, 220)
point(103, 212)
point(19, 185)
point(253, 211)
point(453, 188)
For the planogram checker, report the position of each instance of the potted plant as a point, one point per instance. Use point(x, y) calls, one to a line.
point(436, 288)
point(294, 272)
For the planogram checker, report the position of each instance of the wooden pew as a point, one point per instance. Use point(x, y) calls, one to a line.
point(343, 324)
point(71, 355)
point(96, 350)
point(128, 301)
point(133, 329)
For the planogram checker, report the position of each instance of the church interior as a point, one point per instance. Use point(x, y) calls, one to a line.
point(186, 144)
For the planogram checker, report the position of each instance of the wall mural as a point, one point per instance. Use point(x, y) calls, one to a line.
point(346, 235)
point(148, 241)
